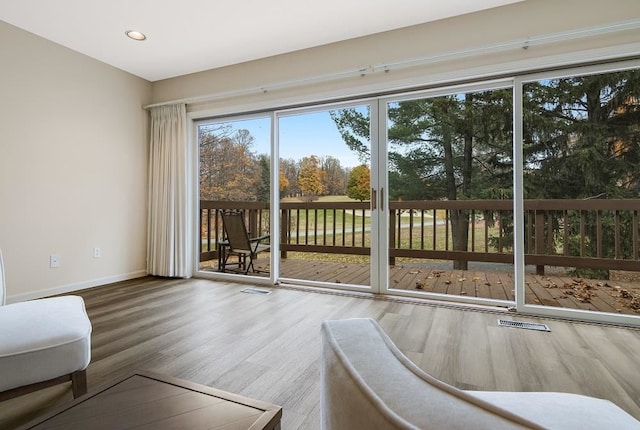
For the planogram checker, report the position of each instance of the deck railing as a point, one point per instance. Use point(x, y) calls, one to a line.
point(596, 234)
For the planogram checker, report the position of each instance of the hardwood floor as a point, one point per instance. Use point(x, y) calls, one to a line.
point(267, 347)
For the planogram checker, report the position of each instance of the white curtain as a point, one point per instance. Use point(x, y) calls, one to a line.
point(168, 220)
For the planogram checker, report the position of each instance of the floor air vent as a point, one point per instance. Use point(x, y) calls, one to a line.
point(256, 291)
point(527, 325)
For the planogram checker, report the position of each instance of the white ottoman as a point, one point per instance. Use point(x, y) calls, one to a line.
point(42, 343)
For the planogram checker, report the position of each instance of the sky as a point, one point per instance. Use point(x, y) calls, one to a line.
point(301, 136)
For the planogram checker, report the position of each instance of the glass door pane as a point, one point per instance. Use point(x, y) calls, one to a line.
point(581, 176)
point(325, 221)
point(234, 160)
point(450, 174)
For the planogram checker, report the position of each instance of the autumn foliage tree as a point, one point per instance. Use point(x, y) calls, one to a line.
point(289, 177)
point(231, 171)
point(310, 178)
point(228, 168)
point(335, 176)
point(284, 182)
point(358, 183)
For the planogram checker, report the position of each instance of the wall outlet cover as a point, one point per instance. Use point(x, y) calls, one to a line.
point(54, 261)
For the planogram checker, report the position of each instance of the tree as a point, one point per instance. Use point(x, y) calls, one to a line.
point(353, 126)
point(435, 144)
point(228, 169)
point(289, 169)
point(582, 141)
point(264, 182)
point(334, 177)
point(581, 136)
point(358, 185)
point(310, 178)
point(284, 182)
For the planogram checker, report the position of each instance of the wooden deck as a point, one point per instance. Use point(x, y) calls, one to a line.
point(557, 289)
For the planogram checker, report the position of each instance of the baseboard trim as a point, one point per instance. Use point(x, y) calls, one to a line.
point(63, 289)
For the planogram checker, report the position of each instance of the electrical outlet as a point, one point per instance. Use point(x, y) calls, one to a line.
point(97, 252)
point(54, 261)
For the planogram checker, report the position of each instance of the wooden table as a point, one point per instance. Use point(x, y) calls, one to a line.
point(147, 400)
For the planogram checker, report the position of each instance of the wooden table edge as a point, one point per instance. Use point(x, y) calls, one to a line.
point(270, 418)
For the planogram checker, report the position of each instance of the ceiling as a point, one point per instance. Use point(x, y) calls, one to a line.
point(189, 36)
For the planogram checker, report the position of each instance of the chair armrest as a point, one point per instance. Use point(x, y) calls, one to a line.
point(260, 239)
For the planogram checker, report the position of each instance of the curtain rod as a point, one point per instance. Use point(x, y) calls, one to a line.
point(385, 67)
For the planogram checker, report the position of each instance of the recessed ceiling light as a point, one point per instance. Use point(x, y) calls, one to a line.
point(135, 35)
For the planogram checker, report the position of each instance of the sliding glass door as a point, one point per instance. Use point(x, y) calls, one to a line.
point(324, 196)
point(450, 200)
point(234, 178)
point(520, 192)
point(581, 185)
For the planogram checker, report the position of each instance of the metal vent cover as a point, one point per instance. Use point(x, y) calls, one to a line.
point(256, 291)
point(525, 325)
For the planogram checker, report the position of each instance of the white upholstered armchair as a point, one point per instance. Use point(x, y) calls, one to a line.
point(367, 383)
point(42, 343)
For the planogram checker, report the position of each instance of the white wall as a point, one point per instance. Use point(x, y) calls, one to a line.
point(514, 22)
point(73, 139)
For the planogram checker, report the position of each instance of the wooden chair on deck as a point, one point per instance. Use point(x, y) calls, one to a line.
point(239, 243)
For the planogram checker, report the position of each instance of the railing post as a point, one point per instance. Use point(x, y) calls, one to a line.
point(539, 232)
point(284, 228)
point(208, 212)
point(392, 234)
point(253, 223)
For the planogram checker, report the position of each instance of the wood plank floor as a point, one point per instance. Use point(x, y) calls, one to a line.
point(268, 347)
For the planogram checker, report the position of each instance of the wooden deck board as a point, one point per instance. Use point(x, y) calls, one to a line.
point(540, 294)
point(497, 286)
point(549, 290)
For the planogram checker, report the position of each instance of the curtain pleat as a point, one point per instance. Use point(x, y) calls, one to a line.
point(167, 234)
